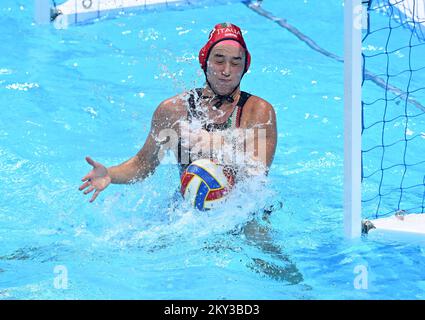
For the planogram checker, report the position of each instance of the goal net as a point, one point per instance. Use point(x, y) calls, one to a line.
point(393, 111)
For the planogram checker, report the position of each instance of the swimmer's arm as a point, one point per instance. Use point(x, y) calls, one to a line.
point(265, 138)
point(147, 159)
point(136, 168)
point(255, 143)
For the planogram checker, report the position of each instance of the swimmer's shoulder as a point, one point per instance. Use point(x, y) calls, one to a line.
point(255, 103)
point(173, 108)
point(257, 109)
point(175, 104)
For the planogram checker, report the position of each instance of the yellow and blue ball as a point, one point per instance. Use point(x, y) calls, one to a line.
point(205, 184)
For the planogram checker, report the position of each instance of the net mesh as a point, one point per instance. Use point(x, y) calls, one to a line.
point(393, 111)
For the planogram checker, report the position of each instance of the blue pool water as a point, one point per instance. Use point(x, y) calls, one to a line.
point(91, 90)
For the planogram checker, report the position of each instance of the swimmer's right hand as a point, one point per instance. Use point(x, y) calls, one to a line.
point(97, 179)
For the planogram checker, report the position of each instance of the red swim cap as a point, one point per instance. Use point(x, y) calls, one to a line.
point(223, 31)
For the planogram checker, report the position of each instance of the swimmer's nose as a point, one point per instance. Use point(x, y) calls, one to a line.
point(226, 71)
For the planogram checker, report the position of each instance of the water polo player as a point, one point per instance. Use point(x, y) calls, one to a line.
point(218, 121)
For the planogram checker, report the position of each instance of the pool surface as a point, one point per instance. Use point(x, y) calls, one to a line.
point(92, 89)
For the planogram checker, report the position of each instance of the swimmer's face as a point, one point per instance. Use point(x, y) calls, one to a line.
point(225, 66)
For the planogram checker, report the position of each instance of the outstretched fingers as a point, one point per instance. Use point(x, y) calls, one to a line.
point(88, 176)
point(91, 162)
point(89, 190)
point(98, 171)
point(95, 194)
point(84, 185)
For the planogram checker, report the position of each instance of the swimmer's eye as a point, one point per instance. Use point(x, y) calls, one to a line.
point(234, 63)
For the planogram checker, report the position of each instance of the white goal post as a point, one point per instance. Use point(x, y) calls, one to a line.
point(352, 117)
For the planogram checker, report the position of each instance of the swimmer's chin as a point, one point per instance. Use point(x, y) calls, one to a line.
point(224, 90)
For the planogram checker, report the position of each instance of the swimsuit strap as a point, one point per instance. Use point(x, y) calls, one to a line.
point(242, 100)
